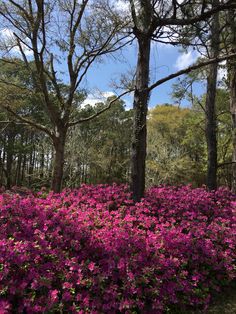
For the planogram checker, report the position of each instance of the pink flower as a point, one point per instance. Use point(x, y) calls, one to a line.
point(54, 295)
point(67, 285)
point(91, 266)
point(71, 252)
point(4, 307)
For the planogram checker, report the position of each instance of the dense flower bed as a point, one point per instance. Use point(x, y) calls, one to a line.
point(92, 250)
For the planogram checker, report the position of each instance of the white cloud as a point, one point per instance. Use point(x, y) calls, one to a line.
point(96, 97)
point(8, 42)
point(107, 94)
point(186, 59)
point(222, 71)
point(7, 34)
point(122, 5)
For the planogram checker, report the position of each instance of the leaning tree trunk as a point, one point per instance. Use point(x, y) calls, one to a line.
point(141, 96)
point(58, 163)
point(232, 86)
point(211, 125)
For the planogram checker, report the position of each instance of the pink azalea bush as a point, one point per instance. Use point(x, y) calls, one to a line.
point(93, 250)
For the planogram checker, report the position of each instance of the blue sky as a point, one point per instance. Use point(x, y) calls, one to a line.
point(165, 60)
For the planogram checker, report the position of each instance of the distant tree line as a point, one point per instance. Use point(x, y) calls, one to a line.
point(177, 145)
point(96, 152)
point(99, 151)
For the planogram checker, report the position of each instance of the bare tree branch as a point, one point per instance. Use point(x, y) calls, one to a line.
point(231, 4)
point(15, 85)
point(27, 121)
point(226, 164)
point(101, 111)
point(157, 83)
point(189, 69)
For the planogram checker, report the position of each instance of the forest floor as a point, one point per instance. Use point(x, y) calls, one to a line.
point(226, 304)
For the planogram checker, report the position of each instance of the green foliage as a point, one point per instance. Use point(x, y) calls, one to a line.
point(177, 146)
point(174, 152)
point(99, 150)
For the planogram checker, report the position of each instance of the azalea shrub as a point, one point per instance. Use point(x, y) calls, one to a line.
point(92, 250)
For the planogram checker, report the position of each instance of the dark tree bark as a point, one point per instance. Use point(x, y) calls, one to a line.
point(9, 161)
point(31, 163)
point(233, 115)
point(232, 85)
point(19, 162)
point(18, 170)
point(138, 151)
point(211, 124)
point(42, 162)
point(9, 170)
point(144, 26)
point(58, 163)
point(23, 168)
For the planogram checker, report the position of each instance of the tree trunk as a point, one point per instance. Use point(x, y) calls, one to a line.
point(141, 97)
point(31, 165)
point(18, 170)
point(2, 164)
point(233, 115)
point(23, 169)
point(42, 163)
point(9, 170)
point(232, 84)
point(58, 164)
point(211, 125)
point(10, 155)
